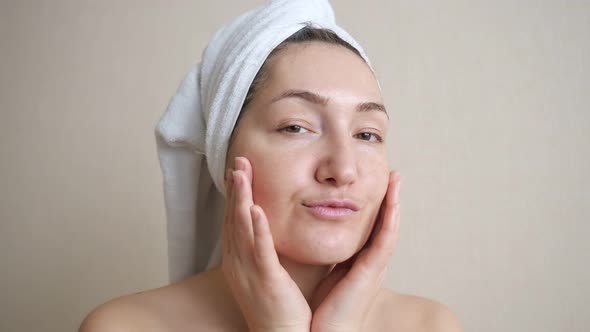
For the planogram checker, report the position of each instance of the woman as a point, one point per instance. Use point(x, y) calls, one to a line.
point(311, 213)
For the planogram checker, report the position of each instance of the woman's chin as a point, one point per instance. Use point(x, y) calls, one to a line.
point(318, 243)
point(318, 253)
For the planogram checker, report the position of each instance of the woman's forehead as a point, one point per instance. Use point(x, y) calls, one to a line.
point(329, 70)
point(313, 98)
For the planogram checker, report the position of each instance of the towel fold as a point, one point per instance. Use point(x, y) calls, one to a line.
point(192, 134)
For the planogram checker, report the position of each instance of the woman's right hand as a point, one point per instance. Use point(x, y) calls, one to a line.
point(268, 298)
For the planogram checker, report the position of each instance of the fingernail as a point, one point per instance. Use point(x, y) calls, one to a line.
point(235, 177)
point(238, 163)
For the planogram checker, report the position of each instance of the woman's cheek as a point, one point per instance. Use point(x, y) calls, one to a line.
point(268, 179)
point(379, 179)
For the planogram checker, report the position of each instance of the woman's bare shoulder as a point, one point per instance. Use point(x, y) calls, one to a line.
point(407, 312)
point(125, 313)
point(176, 307)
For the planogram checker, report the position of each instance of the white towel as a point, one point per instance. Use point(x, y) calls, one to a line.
point(192, 135)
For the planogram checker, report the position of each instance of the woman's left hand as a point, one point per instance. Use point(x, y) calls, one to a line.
point(343, 299)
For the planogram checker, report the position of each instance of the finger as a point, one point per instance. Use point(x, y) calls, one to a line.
point(376, 256)
point(227, 228)
point(378, 224)
point(229, 189)
point(264, 249)
point(385, 240)
point(243, 163)
point(397, 213)
point(397, 223)
point(243, 223)
point(244, 196)
point(244, 188)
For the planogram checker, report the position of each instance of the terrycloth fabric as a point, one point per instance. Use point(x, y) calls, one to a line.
point(192, 135)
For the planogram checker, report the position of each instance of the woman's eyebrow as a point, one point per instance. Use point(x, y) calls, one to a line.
point(315, 98)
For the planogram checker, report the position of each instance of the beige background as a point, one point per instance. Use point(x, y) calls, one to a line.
point(491, 133)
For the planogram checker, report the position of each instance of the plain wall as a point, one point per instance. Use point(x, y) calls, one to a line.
point(490, 116)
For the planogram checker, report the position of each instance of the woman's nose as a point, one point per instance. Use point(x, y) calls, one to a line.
point(338, 164)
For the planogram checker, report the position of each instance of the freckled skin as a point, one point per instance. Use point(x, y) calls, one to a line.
point(325, 158)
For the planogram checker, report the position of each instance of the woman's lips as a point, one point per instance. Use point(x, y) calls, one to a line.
point(327, 212)
point(332, 208)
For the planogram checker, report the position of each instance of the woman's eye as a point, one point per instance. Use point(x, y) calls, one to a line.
point(294, 129)
point(367, 136)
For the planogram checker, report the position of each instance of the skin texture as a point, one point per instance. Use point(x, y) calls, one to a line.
point(284, 269)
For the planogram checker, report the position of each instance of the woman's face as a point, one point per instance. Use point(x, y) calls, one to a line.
point(310, 154)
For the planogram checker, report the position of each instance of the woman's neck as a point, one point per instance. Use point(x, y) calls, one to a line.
point(306, 276)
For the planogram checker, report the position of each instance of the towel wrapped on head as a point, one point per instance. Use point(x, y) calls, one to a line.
point(193, 133)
